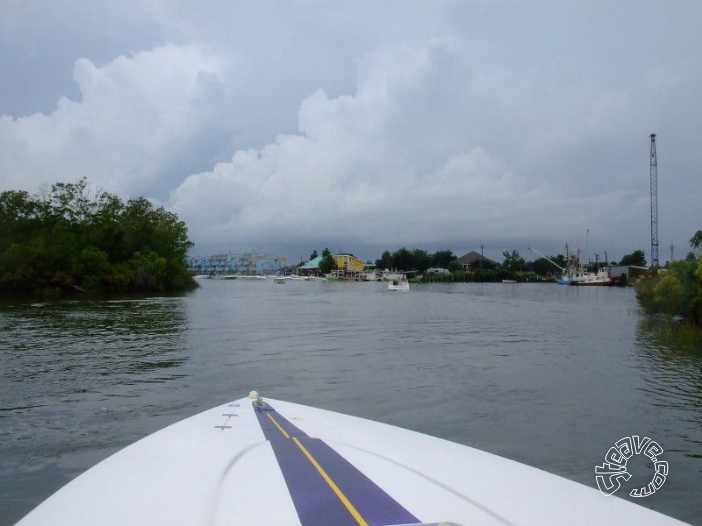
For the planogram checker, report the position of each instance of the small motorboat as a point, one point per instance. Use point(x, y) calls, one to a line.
point(399, 284)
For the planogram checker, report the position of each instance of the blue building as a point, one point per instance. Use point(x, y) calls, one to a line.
point(249, 263)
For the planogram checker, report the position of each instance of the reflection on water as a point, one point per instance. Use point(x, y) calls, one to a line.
point(71, 373)
point(546, 375)
point(674, 376)
point(71, 346)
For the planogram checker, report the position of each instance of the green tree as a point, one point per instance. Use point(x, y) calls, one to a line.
point(543, 266)
point(72, 202)
point(549, 265)
point(513, 261)
point(93, 266)
point(18, 217)
point(636, 259)
point(454, 265)
point(421, 260)
point(403, 259)
point(443, 258)
point(64, 239)
point(327, 264)
point(106, 231)
point(385, 261)
point(678, 292)
point(669, 292)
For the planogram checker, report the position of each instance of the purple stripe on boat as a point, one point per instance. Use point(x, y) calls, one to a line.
point(372, 502)
point(314, 500)
point(270, 431)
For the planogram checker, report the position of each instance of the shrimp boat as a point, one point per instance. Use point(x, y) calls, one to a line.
point(575, 273)
point(271, 462)
point(582, 277)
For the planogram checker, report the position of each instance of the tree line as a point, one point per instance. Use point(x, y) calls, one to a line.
point(420, 261)
point(64, 239)
point(514, 266)
point(417, 259)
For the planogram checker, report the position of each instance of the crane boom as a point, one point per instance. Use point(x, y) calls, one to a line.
point(547, 258)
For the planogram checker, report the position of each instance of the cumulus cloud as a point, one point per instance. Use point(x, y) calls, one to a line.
point(136, 117)
point(289, 126)
point(396, 163)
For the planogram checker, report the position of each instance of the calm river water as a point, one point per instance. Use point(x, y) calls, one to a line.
point(547, 375)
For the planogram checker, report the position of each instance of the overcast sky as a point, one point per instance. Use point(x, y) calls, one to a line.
point(291, 126)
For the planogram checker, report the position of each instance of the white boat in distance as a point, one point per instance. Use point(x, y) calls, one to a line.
point(256, 462)
point(399, 284)
point(583, 277)
point(575, 273)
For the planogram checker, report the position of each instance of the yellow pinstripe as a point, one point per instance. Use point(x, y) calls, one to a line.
point(344, 500)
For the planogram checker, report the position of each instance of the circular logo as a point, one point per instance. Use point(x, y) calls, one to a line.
point(610, 474)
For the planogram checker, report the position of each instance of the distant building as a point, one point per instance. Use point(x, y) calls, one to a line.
point(628, 273)
point(349, 267)
point(348, 263)
point(311, 268)
point(472, 260)
point(249, 263)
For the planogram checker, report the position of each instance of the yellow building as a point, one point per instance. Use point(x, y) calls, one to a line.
point(348, 263)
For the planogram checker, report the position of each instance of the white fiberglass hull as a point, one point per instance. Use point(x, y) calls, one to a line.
point(282, 463)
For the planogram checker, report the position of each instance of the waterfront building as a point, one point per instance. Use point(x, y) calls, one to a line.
point(473, 260)
point(348, 263)
point(249, 263)
point(311, 268)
